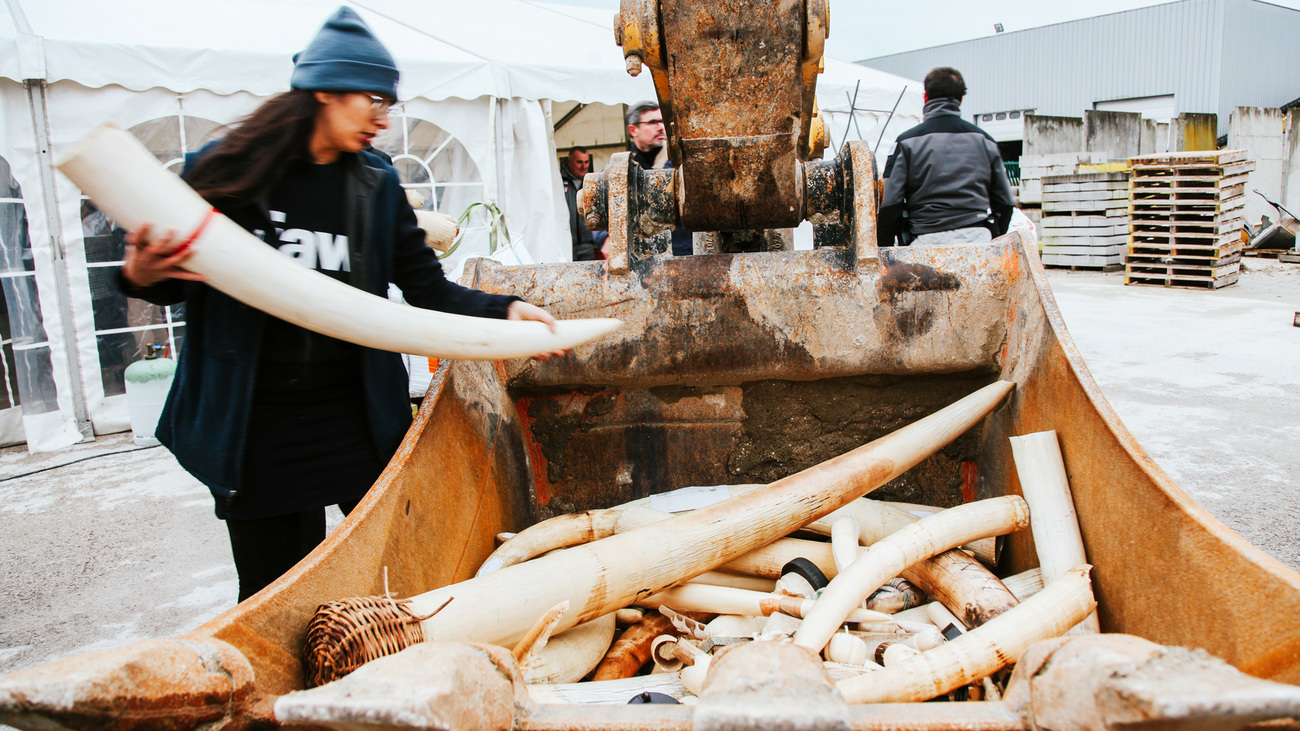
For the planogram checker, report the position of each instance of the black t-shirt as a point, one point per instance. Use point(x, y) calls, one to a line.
point(309, 441)
point(306, 209)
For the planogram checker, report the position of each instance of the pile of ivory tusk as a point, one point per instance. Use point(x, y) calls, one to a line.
point(127, 183)
point(893, 603)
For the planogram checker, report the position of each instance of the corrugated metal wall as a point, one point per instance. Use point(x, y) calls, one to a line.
point(1261, 51)
point(1212, 54)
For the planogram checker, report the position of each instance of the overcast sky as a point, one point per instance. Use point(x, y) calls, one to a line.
point(861, 29)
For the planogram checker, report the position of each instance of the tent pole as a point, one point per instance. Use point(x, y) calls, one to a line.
point(36, 97)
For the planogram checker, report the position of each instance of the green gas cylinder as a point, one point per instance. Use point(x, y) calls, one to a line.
point(147, 384)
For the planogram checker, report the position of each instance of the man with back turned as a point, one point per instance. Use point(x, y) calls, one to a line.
point(944, 179)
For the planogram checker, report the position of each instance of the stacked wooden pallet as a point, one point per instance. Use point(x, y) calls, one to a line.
point(1085, 220)
point(1186, 214)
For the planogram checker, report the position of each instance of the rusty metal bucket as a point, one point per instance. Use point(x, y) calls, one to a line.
point(732, 369)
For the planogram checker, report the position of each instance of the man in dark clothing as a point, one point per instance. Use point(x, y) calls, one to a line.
point(572, 171)
point(645, 131)
point(944, 180)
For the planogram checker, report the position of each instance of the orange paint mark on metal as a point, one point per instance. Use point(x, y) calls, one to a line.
point(970, 481)
point(543, 488)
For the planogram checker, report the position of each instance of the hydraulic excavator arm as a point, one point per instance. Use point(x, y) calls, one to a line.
point(736, 82)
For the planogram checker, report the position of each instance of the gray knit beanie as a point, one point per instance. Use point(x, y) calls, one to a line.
point(345, 56)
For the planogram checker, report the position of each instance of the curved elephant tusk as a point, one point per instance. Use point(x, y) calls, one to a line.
point(569, 529)
point(982, 651)
point(129, 185)
point(901, 549)
point(570, 655)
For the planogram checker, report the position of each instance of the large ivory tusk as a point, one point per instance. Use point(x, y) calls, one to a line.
point(570, 529)
point(951, 577)
point(605, 575)
point(439, 229)
point(571, 654)
point(693, 597)
point(982, 651)
point(128, 184)
point(1051, 509)
point(901, 549)
point(985, 550)
point(631, 651)
point(1025, 584)
point(844, 541)
point(536, 637)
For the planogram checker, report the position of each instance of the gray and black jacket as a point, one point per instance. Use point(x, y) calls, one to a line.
point(943, 174)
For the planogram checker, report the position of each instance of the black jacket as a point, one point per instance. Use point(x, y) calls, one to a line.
point(943, 174)
point(584, 244)
point(205, 419)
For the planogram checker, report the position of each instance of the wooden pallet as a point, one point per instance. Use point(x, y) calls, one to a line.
point(1267, 253)
point(1159, 251)
point(1206, 157)
point(1181, 282)
point(1150, 264)
point(1148, 238)
point(1208, 227)
point(1140, 268)
point(1156, 196)
point(1180, 216)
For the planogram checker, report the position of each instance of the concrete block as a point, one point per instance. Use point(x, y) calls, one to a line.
point(1191, 132)
point(1050, 135)
point(1291, 173)
point(1114, 133)
point(1147, 131)
point(1262, 134)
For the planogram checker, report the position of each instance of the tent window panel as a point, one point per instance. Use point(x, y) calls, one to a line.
point(114, 310)
point(169, 138)
point(104, 240)
point(28, 370)
point(117, 350)
point(34, 371)
point(412, 172)
point(433, 163)
point(8, 368)
point(23, 307)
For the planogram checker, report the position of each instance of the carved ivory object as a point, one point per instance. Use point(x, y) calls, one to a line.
point(129, 185)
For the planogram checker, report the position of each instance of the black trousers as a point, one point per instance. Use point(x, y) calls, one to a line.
point(265, 548)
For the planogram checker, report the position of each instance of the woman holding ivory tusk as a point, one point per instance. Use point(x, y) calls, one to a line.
point(276, 420)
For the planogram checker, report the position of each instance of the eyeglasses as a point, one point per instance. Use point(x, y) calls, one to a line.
point(649, 121)
point(381, 106)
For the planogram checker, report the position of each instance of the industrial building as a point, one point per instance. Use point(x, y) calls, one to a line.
point(1191, 56)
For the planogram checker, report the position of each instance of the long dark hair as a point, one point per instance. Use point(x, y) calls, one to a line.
point(252, 158)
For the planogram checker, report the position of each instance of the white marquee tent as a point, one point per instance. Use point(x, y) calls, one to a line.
point(478, 79)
